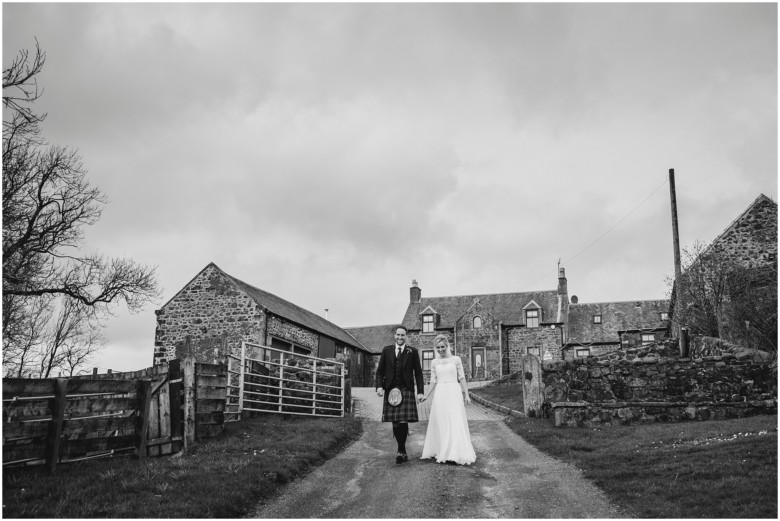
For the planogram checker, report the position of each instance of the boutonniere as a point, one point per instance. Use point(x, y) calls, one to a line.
point(406, 351)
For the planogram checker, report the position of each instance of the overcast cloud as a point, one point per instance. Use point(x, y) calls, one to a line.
point(331, 153)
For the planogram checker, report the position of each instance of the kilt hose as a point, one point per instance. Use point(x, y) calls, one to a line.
point(406, 411)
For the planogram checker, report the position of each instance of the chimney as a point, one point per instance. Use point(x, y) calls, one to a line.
point(563, 288)
point(415, 293)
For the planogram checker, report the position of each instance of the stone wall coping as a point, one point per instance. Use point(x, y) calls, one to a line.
point(622, 405)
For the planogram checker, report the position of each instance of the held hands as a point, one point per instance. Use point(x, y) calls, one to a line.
point(420, 398)
point(468, 399)
point(380, 392)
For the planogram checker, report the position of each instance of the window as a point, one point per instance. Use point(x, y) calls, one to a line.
point(597, 319)
point(648, 339)
point(533, 350)
point(664, 315)
point(426, 361)
point(532, 318)
point(427, 326)
point(294, 348)
point(477, 322)
point(581, 353)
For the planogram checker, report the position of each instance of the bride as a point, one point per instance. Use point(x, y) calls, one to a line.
point(448, 438)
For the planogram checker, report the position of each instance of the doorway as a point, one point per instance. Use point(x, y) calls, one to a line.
point(477, 363)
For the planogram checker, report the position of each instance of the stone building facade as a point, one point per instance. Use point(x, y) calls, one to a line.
point(214, 313)
point(489, 332)
point(745, 256)
point(493, 332)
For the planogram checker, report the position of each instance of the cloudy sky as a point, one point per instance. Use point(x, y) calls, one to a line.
point(331, 153)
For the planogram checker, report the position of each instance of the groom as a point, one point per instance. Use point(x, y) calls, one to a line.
point(399, 368)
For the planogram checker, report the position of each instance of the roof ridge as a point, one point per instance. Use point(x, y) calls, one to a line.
point(495, 294)
point(619, 301)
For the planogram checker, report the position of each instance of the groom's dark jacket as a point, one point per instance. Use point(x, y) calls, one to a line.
point(411, 370)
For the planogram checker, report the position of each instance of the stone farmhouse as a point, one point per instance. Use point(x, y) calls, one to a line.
point(491, 332)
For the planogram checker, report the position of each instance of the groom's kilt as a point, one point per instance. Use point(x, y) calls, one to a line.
point(406, 411)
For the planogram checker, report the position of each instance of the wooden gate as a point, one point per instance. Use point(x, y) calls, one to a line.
point(266, 379)
point(60, 420)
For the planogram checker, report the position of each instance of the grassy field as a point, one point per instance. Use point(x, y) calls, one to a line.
point(714, 469)
point(223, 477)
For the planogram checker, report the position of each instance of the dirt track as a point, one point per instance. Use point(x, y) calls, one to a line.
point(510, 479)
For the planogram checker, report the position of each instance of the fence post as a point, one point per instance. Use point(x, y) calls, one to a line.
point(314, 387)
point(55, 425)
point(533, 396)
point(188, 379)
point(175, 396)
point(144, 401)
point(346, 392)
point(281, 381)
point(241, 380)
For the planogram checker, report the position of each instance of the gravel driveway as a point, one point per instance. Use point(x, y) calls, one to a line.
point(510, 479)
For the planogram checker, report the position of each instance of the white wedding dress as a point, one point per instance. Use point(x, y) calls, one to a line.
point(448, 437)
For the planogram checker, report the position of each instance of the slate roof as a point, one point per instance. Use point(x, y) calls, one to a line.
point(506, 307)
point(289, 311)
point(374, 338)
point(616, 317)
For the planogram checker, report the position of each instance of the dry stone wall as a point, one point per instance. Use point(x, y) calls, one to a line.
point(648, 385)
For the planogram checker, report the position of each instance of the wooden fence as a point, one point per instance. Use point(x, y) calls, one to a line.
point(152, 412)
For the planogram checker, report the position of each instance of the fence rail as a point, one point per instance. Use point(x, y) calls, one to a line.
point(266, 379)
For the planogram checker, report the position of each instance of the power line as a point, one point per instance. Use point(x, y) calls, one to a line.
point(603, 234)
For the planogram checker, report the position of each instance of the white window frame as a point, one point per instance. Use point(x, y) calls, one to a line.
point(532, 321)
point(530, 350)
point(428, 323)
point(597, 319)
point(664, 315)
point(477, 322)
point(425, 359)
point(647, 341)
point(578, 352)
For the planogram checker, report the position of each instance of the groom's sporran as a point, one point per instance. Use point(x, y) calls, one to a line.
point(395, 397)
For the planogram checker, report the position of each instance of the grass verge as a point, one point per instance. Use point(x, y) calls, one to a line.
point(712, 469)
point(224, 477)
point(509, 394)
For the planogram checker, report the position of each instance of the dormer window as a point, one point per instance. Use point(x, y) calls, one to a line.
point(597, 319)
point(477, 322)
point(531, 318)
point(427, 323)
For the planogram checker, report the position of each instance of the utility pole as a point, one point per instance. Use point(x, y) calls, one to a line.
point(681, 332)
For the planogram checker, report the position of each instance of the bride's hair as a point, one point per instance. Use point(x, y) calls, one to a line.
point(442, 338)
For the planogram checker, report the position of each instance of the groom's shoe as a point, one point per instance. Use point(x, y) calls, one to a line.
point(406, 457)
point(400, 458)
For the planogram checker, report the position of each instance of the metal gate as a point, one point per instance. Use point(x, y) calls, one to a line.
point(266, 379)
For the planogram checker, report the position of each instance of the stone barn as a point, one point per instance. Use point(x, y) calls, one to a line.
point(214, 312)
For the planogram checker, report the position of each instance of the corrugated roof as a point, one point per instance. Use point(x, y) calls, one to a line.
point(506, 307)
point(635, 315)
point(289, 311)
point(374, 338)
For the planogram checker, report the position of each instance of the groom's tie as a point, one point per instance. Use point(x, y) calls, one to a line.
point(397, 352)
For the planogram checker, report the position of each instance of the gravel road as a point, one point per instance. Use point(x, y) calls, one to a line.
point(510, 479)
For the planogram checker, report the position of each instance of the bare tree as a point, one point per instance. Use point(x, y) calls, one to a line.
point(727, 299)
point(47, 202)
